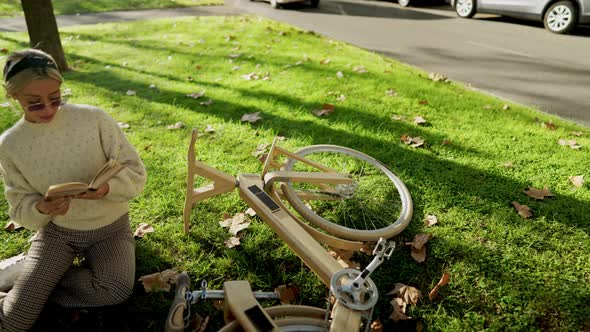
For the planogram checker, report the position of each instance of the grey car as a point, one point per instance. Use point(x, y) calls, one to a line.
point(558, 16)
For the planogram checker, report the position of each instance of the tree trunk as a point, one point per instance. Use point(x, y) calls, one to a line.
point(42, 27)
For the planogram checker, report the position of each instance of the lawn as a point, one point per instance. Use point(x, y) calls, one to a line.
point(507, 272)
point(9, 8)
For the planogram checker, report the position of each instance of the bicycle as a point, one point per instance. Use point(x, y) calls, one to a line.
point(345, 194)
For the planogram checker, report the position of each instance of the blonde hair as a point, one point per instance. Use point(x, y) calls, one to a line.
point(16, 82)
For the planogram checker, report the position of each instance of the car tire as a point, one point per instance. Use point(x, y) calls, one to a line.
point(404, 3)
point(465, 8)
point(275, 4)
point(561, 17)
point(314, 3)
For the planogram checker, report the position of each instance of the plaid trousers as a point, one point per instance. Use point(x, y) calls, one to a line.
point(106, 277)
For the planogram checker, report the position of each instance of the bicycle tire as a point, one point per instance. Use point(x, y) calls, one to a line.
point(289, 318)
point(345, 221)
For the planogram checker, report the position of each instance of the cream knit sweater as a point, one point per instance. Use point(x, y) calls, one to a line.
point(72, 147)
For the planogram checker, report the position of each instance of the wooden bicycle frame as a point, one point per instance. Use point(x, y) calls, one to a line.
point(260, 193)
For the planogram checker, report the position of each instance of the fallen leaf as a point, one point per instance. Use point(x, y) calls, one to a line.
point(123, 125)
point(571, 143)
point(196, 95)
point(508, 164)
point(131, 92)
point(11, 226)
point(260, 150)
point(190, 78)
point(539, 194)
point(423, 102)
point(341, 98)
point(487, 107)
point(250, 212)
point(198, 67)
point(251, 76)
point(506, 107)
point(4, 50)
point(152, 86)
point(442, 282)
point(437, 77)
point(399, 310)
point(233, 241)
point(252, 117)
point(408, 294)
point(287, 293)
point(142, 229)
point(412, 141)
point(577, 133)
point(360, 69)
point(419, 120)
point(177, 125)
point(327, 109)
point(445, 141)
point(391, 92)
point(523, 210)
point(418, 249)
point(397, 117)
point(430, 220)
point(577, 181)
point(230, 37)
point(235, 223)
point(325, 62)
point(218, 304)
point(234, 55)
point(376, 326)
point(339, 74)
point(343, 257)
point(206, 103)
point(209, 129)
point(159, 280)
point(548, 125)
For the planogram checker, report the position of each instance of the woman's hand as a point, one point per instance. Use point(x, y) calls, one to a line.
point(54, 207)
point(95, 194)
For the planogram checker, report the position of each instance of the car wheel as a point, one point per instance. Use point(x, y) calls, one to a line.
point(274, 4)
point(314, 3)
point(404, 3)
point(465, 8)
point(561, 17)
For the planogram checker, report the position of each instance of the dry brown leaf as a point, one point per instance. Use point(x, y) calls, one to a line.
point(360, 69)
point(367, 248)
point(423, 102)
point(343, 257)
point(430, 220)
point(11, 226)
point(539, 194)
point(442, 282)
point(506, 107)
point(577, 181)
point(131, 92)
point(399, 310)
point(209, 129)
point(437, 77)
point(287, 293)
point(571, 143)
point(4, 50)
point(487, 107)
point(419, 255)
point(250, 212)
point(548, 125)
point(142, 229)
point(397, 117)
point(327, 109)
point(218, 304)
point(123, 125)
point(252, 117)
point(376, 326)
point(207, 103)
point(413, 142)
point(196, 95)
point(235, 223)
point(420, 240)
point(508, 164)
point(233, 241)
point(177, 125)
point(339, 74)
point(523, 210)
point(445, 141)
point(419, 120)
point(408, 294)
point(325, 62)
point(391, 92)
point(577, 133)
point(159, 280)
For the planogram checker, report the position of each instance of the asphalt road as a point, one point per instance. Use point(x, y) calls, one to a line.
point(515, 60)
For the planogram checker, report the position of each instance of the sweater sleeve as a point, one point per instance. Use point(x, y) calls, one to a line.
point(129, 182)
point(21, 197)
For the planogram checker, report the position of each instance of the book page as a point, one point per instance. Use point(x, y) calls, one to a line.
point(110, 169)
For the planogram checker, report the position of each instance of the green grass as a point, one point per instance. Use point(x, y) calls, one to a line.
point(507, 273)
point(9, 8)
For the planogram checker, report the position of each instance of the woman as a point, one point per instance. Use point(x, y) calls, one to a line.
point(55, 143)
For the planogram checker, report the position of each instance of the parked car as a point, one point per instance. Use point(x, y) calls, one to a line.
point(558, 16)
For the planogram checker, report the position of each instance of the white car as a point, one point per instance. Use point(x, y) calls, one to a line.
point(558, 16)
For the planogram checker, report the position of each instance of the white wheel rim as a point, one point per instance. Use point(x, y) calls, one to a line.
point(559, 18)
point(403, 2)
point(464, 7)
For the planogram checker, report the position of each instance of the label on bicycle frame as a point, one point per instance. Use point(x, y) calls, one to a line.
point(264, 198)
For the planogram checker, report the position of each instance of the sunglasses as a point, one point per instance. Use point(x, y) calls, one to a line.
point(41, 106)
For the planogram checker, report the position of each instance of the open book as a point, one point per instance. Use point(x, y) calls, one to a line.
point(110, 169)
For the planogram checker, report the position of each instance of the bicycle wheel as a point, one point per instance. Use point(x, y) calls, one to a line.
point(296, 318)
point(377, 204)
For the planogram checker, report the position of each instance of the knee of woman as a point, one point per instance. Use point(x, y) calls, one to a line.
point(118, 291)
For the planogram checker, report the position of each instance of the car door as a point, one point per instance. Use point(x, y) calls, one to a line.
point(507, 6)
